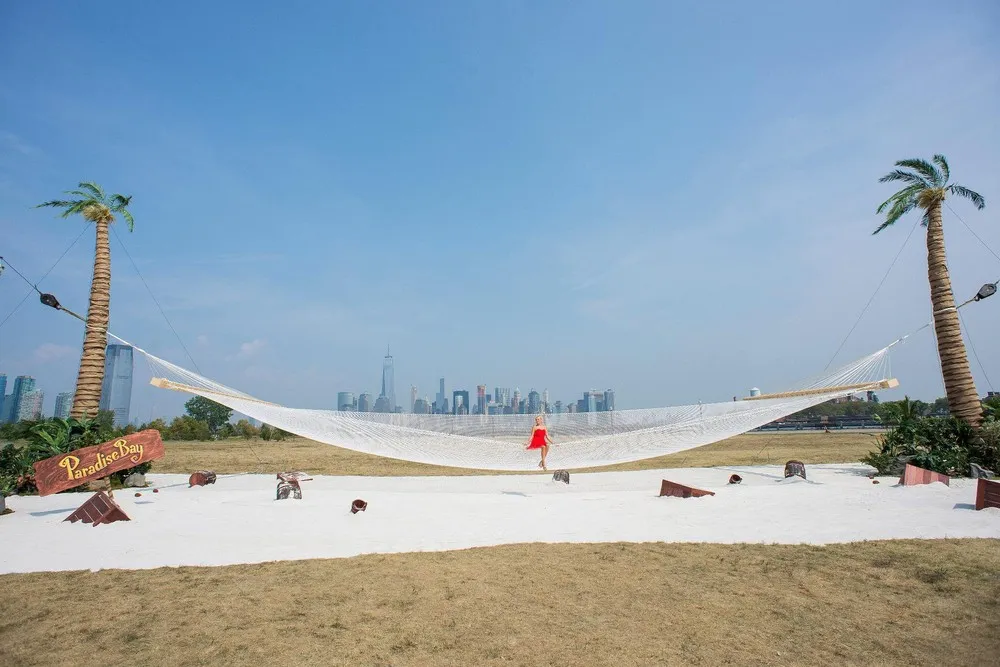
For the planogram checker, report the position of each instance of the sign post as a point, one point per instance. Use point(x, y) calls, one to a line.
point(65, 471)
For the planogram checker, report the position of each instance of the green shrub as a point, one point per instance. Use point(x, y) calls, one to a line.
point(52, 437)
point(943, 444)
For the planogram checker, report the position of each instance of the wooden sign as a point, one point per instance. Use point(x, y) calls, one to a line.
point(64, 471)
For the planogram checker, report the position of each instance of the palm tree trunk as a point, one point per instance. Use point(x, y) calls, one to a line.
point(87, 398)
point(963, 399)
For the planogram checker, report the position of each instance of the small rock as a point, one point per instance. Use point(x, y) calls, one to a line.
point(135, 480)
point(358, 506)
point(561, 476)
point(874, 481)
point(138, 495)
point(979, 472)
point(156, 490)
point(735, 479)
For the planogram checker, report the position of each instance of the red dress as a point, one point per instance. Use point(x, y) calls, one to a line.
point(537, 439)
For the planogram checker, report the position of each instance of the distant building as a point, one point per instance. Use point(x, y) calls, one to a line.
point(501, 397)
point(64, 403)
point(413, 398)
point(366, 402)
point(460, 402)
point(388, 384)
point(609, 399)
point(558, 407)
point(441, 401)
point(7, 409)
point(590, 399)
point(534, 402)
point(516, 401)
point(29, 408)
point(545, 400)
point(421, 406)
point(23, 384)
point(481, 399)
point(346, 401)
point(382, 404)
point(116, 390)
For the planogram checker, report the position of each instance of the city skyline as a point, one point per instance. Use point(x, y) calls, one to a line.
point(502, 400)
point(26, 400)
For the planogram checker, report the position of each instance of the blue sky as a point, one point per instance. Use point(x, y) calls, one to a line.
point(672, 199)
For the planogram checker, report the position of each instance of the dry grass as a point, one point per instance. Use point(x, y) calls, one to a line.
point(899, 602)
point(233, 456)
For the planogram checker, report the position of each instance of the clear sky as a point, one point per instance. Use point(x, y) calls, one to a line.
point(673, 199)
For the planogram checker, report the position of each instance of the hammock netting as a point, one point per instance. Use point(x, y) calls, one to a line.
point(497, 442)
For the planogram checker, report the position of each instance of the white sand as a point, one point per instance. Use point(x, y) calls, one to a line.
point(237, 520)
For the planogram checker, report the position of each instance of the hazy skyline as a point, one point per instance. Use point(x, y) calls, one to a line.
point(675, 200)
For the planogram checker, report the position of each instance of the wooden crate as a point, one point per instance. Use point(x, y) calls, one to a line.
point(99, 508)
point(668, 488)
point(912, 475)
point(987, 494)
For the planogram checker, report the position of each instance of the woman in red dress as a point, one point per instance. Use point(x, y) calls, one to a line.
point(540, 440)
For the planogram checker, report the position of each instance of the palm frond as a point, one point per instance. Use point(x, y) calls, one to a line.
point(941, 162)
point(118, 202)
point(128, 218)
point(905, 176)
point(900, 207)
point(924, 168)
point(94, 188)
point(57, 203)
point(881, 227)
point(84, 195)
point(962, 191)
point(908, 194)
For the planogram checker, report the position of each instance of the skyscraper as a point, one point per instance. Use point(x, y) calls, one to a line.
point(345, 401)
point(545, 400)
point(440, 400)
point(388, 382)
point(29, 408)
point(534, 402)
point(64, 403)
point(501, 396)
point(460, 402)
point(481, 399)
point(609, 399)
point(516, 403)
point(116, 390)
point(365, 403)
point(22, 385)
point(413, 398)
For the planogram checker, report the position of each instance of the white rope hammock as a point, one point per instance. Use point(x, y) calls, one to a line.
point(496, 442)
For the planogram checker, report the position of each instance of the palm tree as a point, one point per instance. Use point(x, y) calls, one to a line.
point(100, 209)
point(926, 188)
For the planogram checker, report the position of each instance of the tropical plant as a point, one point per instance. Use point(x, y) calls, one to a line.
point(943, 444)
point(927, 185)
point(95, 206)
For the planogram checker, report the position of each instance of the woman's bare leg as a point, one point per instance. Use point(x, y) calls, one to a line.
point(545, 450)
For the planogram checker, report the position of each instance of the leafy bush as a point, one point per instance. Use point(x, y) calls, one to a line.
point(943, 444)
point(49, 438)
